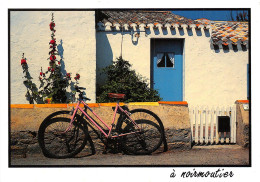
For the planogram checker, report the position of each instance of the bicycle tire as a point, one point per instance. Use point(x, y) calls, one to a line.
point(61, 114)
point(142, 143)
point(142, 114)
point(57, 144)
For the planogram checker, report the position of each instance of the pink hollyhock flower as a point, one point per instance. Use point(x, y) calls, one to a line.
point(52, 57)
point(52, 25)
point(52, 41)
point(77, 76)
point(23, 61)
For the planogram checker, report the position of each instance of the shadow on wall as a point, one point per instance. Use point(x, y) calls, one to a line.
point(63, 70)
point(60, 52)
point(228, 48)
point(104, 55)
point(179, 31)
point(206, 32)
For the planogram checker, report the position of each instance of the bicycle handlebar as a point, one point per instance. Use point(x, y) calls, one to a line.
point(79, 88)
point(85, 98)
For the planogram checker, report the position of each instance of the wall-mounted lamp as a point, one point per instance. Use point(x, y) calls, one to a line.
point(135, 36)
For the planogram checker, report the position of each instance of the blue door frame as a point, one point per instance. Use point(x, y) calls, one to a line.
point(167, 68)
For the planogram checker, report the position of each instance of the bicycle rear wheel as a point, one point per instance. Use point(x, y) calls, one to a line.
point(147, 139)
point(55, 143)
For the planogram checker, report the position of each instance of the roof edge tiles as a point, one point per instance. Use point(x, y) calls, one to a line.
point(141, 17)
point(223, 32)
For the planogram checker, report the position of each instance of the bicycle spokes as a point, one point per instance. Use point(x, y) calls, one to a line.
point(59, 144)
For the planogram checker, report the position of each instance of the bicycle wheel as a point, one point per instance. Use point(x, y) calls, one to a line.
point(55, 143)
point(137, 114)
point(147, 139)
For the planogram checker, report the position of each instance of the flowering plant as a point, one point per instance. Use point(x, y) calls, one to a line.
point(53, 84)
point(77, 77)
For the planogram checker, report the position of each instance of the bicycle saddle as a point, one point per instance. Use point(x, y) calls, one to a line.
point(116, 96)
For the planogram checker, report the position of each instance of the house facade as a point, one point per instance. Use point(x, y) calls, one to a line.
point(201, 62)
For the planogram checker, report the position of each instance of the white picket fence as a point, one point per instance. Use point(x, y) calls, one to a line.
point(204, 125)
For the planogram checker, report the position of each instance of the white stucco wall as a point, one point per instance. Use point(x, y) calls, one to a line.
point(30, 34)
point(109, 48)
point(210, 77)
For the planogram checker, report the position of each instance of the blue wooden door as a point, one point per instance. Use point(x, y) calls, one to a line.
point(167, 68)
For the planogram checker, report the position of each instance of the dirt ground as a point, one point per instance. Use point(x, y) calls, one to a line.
point(219, 155)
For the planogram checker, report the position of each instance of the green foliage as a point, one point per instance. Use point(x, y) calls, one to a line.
point(53, 86)
point(121, 79)
point(239, 16)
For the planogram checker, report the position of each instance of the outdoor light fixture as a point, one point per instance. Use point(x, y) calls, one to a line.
point(135, 36)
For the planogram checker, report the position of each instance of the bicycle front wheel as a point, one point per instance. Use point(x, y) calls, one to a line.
point(55, 143)
point(146, 139)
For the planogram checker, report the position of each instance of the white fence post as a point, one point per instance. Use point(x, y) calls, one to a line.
point(212, 126)
point(206, 125)
point(201, 124)
point(216, 120)
point(196, 125)
point(222, 113)
point(228, 110)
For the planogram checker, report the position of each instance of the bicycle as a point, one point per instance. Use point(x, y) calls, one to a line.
point(61, 137)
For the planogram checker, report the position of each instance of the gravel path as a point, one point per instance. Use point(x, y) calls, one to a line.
point(198, 155)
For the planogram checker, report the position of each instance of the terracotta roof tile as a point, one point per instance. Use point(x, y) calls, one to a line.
point(231, 32)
